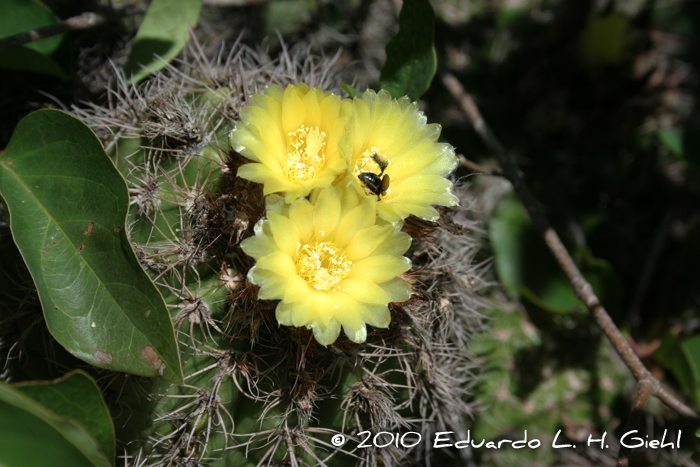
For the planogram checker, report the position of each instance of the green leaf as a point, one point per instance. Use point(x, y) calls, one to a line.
point(676, 356)
point(67, 206)
point(673, 140)
point(49, 56)
point(32, 435)
point(410, 56)
point(351, 90)
point(164, 32)
point(76, 397)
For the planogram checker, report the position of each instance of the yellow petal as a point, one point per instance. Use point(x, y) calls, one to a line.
point(278, 184)
point(397, 289)
point(391, 212)
point(254, 172)
point(258, 246)
point(301, 213)
point(293, 111)
point(364, 291)
point(279, 263)
point(297, 289)
point(285, 233)
point(358, 218)
point(326, 214)
point(326, 334)
point(422, 183)
point(395, 245)
point(313, 110)
point(317, 308)
point(356, 334)
point(346, 309)
point(272, 286)
point(273, 90)
point(380, 268)
point(283, 313)
point(378, 316)
point(364, 242)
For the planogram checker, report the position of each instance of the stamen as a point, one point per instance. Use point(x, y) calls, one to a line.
point(322, 265)
point(306, 155)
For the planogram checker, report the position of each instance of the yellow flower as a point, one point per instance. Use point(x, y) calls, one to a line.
point(329, 263)
point(394, 155)
point(292, 135)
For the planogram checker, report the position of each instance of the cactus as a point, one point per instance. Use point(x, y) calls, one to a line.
point(256, 392)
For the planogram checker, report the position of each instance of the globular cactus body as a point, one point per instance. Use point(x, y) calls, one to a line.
point(257, 393)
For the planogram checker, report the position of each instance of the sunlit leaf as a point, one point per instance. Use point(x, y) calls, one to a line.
point(410, 56)
point(67, 207)
point(163, 33)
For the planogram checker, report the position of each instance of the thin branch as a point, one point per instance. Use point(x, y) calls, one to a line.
point(86, 20)
point(583, 289)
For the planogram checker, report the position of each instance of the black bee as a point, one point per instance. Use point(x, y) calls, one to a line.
point(377, 184)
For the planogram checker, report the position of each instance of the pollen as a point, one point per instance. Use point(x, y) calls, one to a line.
point(306, 155)
point(367, 162)
point(322, 265)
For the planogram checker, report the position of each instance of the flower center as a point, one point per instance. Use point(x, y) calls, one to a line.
point(322, 265)
point(374, 162)
point(306, 154)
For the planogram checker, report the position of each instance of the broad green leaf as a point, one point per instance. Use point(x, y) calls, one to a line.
point(76, 397)
point(32, 435)
point(351, 90)
point(50, 56)
point(410, 56)
point(677, 357)
point(67, 206)
point(163, 33)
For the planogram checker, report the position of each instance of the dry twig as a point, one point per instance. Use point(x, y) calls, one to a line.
point(647, 383)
